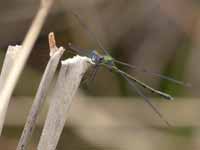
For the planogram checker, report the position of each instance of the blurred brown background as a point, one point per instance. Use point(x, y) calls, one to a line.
point(162, 36)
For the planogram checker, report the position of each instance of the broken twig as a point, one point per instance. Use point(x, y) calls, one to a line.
point(68, 81)
point(42, 91)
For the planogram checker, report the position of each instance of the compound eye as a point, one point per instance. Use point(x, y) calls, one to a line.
point(101, 58)
point(93, 58)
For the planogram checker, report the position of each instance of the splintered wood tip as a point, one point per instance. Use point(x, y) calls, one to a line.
point(52, 43)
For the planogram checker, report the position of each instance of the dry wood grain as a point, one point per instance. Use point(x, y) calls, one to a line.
point(20, 62)
point(41, 94)
point(68, 81)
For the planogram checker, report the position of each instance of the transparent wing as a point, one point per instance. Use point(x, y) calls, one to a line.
point(77, 49)
point(140, 83)
point(146, 99)
point(90, 32)
point(153, 73)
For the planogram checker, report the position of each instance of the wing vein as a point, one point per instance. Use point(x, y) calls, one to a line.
point(146, 99)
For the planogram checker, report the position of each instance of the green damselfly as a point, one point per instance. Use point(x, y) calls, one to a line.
point(106, 60)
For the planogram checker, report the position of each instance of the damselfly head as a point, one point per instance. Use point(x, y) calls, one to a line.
point(96, 57)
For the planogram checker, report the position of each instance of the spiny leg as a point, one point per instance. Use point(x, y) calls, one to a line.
point(92, 75)
point(146, 99)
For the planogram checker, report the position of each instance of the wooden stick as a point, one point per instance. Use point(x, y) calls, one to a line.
point(69, 78)
point(19, 63)
point(42, 91)
point(11, 55)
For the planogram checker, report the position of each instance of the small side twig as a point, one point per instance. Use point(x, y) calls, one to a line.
point(38, 102)
point(68, 81)
point(19, 63)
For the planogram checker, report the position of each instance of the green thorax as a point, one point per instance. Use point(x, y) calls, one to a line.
point(108, 60)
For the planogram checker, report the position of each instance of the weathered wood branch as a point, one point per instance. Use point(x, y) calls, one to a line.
point(68, 81)
point(11, 55)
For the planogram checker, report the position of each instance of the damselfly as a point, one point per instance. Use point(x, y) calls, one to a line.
point(106, 60)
